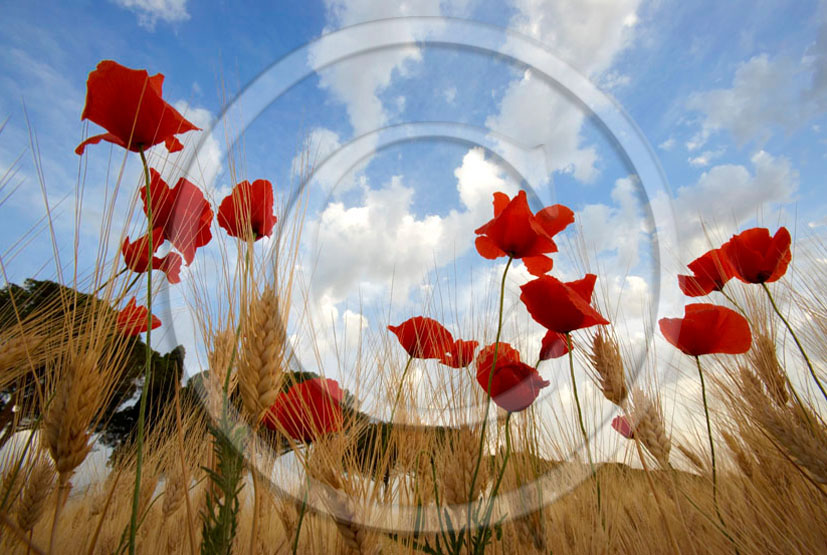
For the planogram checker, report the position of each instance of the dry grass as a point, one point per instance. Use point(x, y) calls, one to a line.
point(392, 495)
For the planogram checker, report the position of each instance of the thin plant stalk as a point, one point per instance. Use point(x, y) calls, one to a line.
point(62, 495)
point(401, 384)
point(480, 544)
point(133, 521)
point(582, 425)
point(488, 394)
point(711, 447)
point(302, 512)
point(648, 473)
point(256, 509)
point(733, 301)
point(797, 342)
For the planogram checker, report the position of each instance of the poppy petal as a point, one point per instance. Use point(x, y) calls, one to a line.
point(487, 248)
point(538, 265)
point(555, 218)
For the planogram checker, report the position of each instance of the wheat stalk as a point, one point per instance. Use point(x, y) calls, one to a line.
point(763, 358)
point(71, 413)
point(37, 490)
point(649, 428)
point(341, 506)
point(458, 458)
point(741, 458)
point(259, 369)
point(607, 363)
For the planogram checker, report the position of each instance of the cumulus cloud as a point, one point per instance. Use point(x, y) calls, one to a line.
point(739, 195)
point(357, 82)
point(151, 11)
point(378, 239)
point(616, 229)
point(768, 94)
point(588, 35)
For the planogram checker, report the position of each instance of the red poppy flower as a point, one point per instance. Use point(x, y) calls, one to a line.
point(170, 264)
point(706, 329)
point(622, 426)
point(515, 385)
point(554, 345)
point(136, 256)
point(248, 208)
point(307, 410)
point(710, 272)
point(423, 337)
point(183, 213)
point(758, 258)
point(128, 104)
point(516, 232)
point(131, 320)
point(460, 354)
point(561, 307)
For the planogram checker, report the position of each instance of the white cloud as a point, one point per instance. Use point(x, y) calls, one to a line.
point(356, 82)
point(378, 239)
point(817, 223)
point(668, 144)
point(151, 11)
point(450, 94)
point(728, 195)
point(539, 115)
point(616, 229)
point(588, 35)
point(318, 145)
point(613, 80)
point(478, 179)
point(705, 158)
point(767, 94)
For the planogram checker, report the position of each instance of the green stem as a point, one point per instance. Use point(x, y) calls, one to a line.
point(734, 303)
point(401, 384)
point(301, 515)
point(107, 282)
point(797, 342)
point(583, 426)
point(488, 393)
point(480, 544)
point(711, 446)
point(133, 522)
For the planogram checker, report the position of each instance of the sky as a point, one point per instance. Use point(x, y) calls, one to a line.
point(683, 122)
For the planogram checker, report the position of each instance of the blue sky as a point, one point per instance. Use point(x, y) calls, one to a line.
point(731, 96)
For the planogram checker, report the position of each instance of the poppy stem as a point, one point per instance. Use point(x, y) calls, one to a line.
point(133, 522)
point(108, 281)
point(488, 400)
point(302, 512)
point(797, 342)
point(711, 447)
point(401, 384)
point(733, 301)
point(480, 546)
point(583, 427)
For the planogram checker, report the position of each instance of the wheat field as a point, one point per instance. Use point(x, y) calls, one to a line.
point(221, 472)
